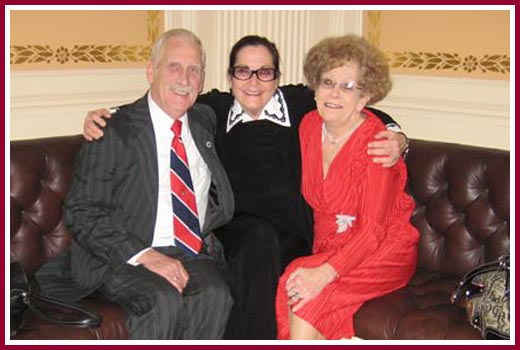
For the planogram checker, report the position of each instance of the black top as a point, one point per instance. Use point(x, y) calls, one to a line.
point(263, 161)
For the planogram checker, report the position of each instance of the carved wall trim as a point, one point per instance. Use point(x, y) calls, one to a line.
point(436, 61)
point(89, 53)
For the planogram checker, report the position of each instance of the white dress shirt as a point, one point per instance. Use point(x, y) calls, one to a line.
point(200, 175)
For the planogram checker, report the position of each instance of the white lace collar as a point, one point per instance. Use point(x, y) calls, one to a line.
point(275, 111)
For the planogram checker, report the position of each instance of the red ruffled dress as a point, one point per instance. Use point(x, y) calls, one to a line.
point(361, 228)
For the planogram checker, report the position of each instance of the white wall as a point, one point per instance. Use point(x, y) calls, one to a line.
point(293, 32)
point(53, 103)
point(469, 111)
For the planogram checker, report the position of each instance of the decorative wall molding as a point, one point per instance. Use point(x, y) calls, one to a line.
point(181, 19)
point(436, 61)
point(278, 26)
point(220, 29)
point(88, 53)
point(373, 27)
point(342, 22)
point(468, 111)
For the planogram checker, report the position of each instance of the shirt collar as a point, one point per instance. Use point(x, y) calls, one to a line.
point(274, 111)
point(163, 122)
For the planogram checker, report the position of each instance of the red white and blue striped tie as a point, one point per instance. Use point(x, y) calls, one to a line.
point(186, 224)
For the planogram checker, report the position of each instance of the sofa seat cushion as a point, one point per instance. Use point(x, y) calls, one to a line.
point(421, 310)
point(113, 325)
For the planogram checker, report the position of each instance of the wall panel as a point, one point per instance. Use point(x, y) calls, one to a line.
point(82, 39)
point(51, 103)
point(468, 111)
point(436, 105)
point(293, 31)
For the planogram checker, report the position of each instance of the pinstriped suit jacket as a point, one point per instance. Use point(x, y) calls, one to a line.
point(112, 204)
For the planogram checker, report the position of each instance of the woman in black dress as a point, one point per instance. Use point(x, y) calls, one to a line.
point(257, 141)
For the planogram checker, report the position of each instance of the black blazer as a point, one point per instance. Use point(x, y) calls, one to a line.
point(112, 204)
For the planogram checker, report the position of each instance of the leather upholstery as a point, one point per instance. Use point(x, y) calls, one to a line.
point(41, 172)
point(462, 213)
point(462, 196)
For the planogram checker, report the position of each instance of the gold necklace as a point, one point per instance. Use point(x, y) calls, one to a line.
point(335, 142)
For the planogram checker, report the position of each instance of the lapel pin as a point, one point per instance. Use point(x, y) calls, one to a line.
point(208, 144)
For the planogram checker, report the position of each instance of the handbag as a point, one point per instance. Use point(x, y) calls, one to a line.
point(487, 298)
point(23, 298)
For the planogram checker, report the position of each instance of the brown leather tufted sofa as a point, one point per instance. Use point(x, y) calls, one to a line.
point(462, 196)
point(41, 172)
point(462, 213)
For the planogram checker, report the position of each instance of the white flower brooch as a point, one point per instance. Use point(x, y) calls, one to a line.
point(344, 222)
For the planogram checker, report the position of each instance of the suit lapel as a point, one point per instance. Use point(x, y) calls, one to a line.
point(146, 151)
point(202, 138)
point(204, 141)
point(220, 201)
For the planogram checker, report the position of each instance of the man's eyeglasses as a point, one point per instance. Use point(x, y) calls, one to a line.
point(329, 84)
point(246, 73)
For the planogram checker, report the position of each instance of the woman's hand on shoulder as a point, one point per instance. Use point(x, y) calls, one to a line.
point(94, 124)
point(304, 284)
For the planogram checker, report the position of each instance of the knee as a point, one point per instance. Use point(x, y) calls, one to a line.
point(218, 290)
point(168, 296)
point(262, 236)
point(165, 303)
point(156, 314)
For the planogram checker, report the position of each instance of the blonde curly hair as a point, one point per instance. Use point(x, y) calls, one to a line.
point(374, 72)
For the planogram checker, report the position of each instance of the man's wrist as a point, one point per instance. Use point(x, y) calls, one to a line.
point(133, 260)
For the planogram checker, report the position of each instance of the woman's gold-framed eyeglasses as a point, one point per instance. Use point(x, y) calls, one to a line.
point(329, 84)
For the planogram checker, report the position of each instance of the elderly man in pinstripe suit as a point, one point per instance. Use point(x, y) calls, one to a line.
point(119, 208)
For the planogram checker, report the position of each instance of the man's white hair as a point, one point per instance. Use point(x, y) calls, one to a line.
point(178, 32)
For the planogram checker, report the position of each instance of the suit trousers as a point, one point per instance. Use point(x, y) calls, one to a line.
point(156, 310)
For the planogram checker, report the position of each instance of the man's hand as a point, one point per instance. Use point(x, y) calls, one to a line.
point(304, 284)
point(94, 123)
point(388, 149)
point(169, 268)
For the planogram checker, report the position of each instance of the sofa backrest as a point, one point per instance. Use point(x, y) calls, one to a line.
point(462, 204)
point(41, 172)
point(461, 193)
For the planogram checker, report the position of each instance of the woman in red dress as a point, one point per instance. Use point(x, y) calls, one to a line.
point(364, 245)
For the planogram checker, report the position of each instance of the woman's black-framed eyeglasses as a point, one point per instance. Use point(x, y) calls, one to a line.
point(246, 73)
